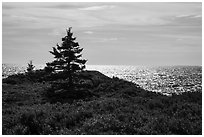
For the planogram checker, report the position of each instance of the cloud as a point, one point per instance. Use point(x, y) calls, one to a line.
point(4, 6)
point(104, 39)
point(141, 27)
point(187, 20)
point(189, 16)
point(24, 18)
point(179, 39)
point(79, 15)
point(54, 32)
point(196, 16)
point(93, 8)
point(183, 15)
point(88, 32)
point(63, 6)
point(113, 39)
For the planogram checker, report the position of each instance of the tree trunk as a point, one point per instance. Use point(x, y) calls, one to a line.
point(70, 76)
point(70, 80)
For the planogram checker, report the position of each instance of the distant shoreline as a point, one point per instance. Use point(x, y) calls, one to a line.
point(24, 65)
point(168, 79)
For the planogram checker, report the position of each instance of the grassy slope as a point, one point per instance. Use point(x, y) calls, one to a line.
point(99, 105)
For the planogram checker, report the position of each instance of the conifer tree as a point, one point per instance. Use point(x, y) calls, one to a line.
point(30, 67)
point(67, 56)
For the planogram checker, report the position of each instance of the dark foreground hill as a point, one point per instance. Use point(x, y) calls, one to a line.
point(97, 105)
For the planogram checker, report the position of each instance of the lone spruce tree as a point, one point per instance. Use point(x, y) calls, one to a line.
point(67, 57)
point(30, 67)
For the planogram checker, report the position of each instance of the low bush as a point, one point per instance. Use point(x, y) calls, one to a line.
point(107, 107)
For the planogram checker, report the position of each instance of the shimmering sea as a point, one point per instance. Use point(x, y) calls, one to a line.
point(165, 79)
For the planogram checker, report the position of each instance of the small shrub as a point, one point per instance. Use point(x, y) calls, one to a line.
point(155, 104)
point(9, 81)
point(30, 67)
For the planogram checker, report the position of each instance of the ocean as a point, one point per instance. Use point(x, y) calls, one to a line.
point(164, 79)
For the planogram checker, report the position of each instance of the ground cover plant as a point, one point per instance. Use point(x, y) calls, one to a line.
point(98, 105)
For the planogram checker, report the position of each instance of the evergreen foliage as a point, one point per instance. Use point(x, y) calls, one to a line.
point(30, 67)
point(67, 57)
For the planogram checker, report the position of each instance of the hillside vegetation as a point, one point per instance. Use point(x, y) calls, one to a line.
point(96, 104)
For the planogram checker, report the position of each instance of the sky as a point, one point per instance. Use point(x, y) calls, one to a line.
point(136, 33)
